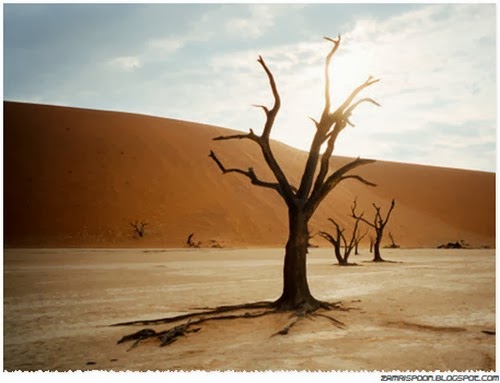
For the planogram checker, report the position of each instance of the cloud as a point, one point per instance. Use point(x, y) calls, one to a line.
point(254, 25)
point(125, 63)
point(436, 64)
point(168, 44)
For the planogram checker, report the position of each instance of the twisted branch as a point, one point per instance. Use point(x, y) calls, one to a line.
point(250, 173)
point(283, 187)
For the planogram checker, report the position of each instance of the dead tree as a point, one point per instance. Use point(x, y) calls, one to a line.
point(316, 182)
point(357, 241)
point(393, 244)
point(378, 225)
point(192, 243)
point(342, 247)
point(139, 227)
point(372, 241)
point(301, 200)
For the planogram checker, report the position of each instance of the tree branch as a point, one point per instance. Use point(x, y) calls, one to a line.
point(393, 203)
point(354, 237)
point(263, 107)
point(338, 119)
point(358, 178)
point(251, 136)
point(341, 109)
point(283, 186)
point(270, 114)
point(360, 217)
point(286, 190)
point(322, 128)
point(325, 162)
point(340, 232)
point(349, 110)
point(336, 43)
point(250, 174)
point(328, 237)
point(322, 190)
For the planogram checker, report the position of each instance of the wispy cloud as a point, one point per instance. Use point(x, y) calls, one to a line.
point(260, 18)
point(167, 44)
point(126, 63)
point(437, 66)
point(436, 63)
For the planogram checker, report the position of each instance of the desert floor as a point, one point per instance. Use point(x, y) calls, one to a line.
point(426, 313)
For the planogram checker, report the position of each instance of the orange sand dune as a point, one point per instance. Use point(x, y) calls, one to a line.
point(75, 177)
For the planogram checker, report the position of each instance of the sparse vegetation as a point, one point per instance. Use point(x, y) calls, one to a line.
point(393, 244)
point(191, 243)
point(214, 244)
point(378, 225)
point(461, 244)
point(139, 228)
point(341, 245)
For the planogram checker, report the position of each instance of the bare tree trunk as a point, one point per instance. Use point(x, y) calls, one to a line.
point(296, 294)
point(357, 240)
point(376, 248)
point(340, 259)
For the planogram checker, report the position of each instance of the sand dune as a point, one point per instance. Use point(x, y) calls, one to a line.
point(77, 178)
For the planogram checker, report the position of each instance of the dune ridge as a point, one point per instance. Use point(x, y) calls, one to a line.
point(78, 178)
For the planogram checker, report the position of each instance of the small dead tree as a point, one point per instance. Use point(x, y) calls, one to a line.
point(192, 243)
point(139, 228)
point(393, 244)
point(378, 225)
point(340, 242)
point(301, 200)
point(358, 239)
point(372, 241)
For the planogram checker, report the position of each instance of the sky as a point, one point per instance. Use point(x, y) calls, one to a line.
point(197, 62)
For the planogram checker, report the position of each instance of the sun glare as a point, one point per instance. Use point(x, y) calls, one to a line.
point(303, 96)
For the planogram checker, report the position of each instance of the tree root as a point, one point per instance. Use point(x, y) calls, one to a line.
point(207, 311)
point(193, 320)
point(311, 316)
point(287, 328)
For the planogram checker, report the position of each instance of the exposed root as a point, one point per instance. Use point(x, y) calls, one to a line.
point(287, 328)
point(251, 310)
point(207, 311)
point(336, 322)
point(166, 337)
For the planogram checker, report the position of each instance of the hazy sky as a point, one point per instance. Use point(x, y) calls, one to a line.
point(197, 62)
